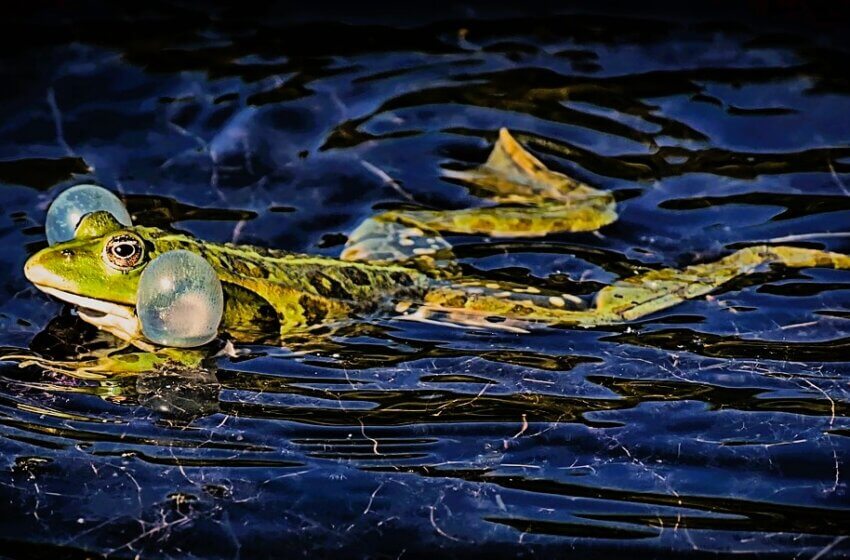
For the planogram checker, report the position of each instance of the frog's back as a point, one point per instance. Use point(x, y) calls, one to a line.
point(298, 291)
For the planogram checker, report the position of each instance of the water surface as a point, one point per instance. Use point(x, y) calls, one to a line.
point(718, 426)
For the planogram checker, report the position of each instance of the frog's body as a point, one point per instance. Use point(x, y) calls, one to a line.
point(394, 262)
point(268, 293)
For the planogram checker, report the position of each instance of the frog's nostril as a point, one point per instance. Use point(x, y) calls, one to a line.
point(67, 253)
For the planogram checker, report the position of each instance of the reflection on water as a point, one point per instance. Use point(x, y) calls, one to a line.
point(721, 425)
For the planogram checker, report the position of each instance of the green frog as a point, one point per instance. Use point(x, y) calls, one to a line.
point(394, 263)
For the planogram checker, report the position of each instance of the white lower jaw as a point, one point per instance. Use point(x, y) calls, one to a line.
point(120, 320)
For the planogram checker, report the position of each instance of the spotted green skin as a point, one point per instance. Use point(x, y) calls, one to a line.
point(271, 296)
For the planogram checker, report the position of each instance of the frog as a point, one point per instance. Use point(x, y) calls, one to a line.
point(396, 263)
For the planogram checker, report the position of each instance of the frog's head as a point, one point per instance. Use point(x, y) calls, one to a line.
point(98, 271)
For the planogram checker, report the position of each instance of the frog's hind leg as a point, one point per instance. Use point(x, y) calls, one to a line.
point(475, 303)
point(478, 303)
point(530, 201)
point(638, 296)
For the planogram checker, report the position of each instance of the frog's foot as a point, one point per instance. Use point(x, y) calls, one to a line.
point(632, 298)
point(530, 201)
point(388, 239)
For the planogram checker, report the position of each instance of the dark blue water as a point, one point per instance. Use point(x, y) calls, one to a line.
point(720, 427)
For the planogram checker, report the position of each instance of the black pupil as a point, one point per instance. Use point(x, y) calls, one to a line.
point(124, 250)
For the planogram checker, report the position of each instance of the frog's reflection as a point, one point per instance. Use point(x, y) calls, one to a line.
point(184, 385)
point(179, 391)
point(186, 390)
point(180, 396)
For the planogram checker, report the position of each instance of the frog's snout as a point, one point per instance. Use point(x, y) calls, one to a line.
point(33, 269)
point(37, 272)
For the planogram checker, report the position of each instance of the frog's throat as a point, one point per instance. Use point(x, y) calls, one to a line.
point(120, 320)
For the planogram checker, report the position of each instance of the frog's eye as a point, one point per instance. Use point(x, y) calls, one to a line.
point(123, 251)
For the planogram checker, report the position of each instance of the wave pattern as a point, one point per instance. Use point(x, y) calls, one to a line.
point(719, 427)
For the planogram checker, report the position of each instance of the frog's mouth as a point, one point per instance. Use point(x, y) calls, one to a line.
point(118, 319)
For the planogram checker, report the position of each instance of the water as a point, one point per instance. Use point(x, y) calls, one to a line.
point(718, 426)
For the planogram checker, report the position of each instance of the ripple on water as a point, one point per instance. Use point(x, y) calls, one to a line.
point(721, 425)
